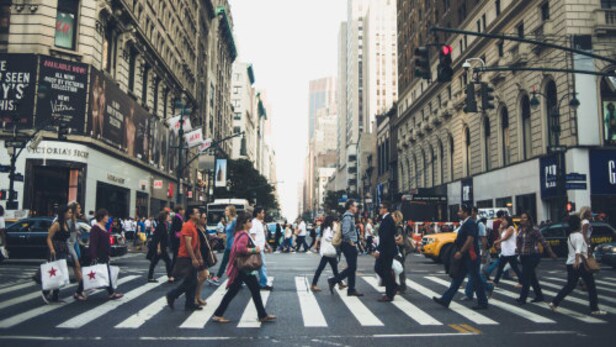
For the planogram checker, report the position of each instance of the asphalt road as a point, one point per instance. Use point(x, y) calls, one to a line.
point(304, 319)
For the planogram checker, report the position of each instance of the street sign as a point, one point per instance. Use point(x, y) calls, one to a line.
point(16, 144)
point(574, 176)
point(158, 184)
point(18, 177)
point(205, 145)
point(5, 168)
point(575, 186)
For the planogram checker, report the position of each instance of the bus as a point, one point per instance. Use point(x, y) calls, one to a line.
point(216, 211)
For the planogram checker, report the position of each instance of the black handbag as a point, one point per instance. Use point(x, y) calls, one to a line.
point(456, 266)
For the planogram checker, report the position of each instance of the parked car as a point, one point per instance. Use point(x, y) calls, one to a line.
point(606, 254)
point(27, 239)
point(556, 235)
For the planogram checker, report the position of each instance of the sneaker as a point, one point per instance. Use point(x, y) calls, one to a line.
point(440, 302)
point(152, 280)
point(215, 281)
point(553, 307)
point(598, 313)
point(268, 287)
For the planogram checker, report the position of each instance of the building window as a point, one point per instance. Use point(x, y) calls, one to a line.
point(432, 166)
point(441, 161)
point(486, 143)
point(108, 48)
point(545, 11)
point(497, 4)
point(552, 113)
point(66, 24)
point(144, 90)
point(132, 62)
point(520, 30)
point(156, 85)
point(467, 143)
point(506, 138)
point(501, 49)
point(526, 127)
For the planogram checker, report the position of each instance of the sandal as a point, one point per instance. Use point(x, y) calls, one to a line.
point(115, 296)
point(79, 297)
point(220, 319)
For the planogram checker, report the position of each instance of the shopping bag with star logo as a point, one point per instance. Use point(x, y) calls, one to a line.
point(95, 276)
point(54, 274)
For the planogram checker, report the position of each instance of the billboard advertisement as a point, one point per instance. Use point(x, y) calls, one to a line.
point(62, 92)
point(17, 87)
point(221, 173)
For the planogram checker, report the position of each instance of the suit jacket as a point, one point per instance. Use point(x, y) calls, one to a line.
point(387, 238)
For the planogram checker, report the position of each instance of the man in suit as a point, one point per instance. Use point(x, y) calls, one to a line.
point(386, 251)
point(467, 251)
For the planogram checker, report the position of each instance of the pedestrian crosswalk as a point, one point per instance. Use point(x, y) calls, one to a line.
point(144, 304)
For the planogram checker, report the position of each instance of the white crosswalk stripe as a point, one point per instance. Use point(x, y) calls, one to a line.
point(16, 287)
point(28, 297)
point(363, 315)
point(412, 311)
point(93, 314)
point(39, 311)
point(454, 306)
point(535, 318)
point(250, 317)
point(610, 290)
point(569, 297)
point(198, 319)
point(311, 312)
point(610, 284)
point(573, 314)
point(140, 318)
point(577, 291)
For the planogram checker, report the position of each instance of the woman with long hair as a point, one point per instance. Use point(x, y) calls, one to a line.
point(326, 243)
point(578, 251)
point(57, 241)
point(507, 245)
point(242, 246)
point(160, 242)
point(231, 216)
point(528, 241)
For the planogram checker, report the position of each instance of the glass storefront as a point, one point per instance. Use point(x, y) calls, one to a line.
point(114, 199)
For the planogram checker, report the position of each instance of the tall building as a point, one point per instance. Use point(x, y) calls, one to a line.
point(340, 177)
point(322, 95)
point(546, 127)
point(126, 63)
point(367, 70)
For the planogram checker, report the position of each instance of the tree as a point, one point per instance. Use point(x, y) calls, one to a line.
point(332, 200)
point(247, 183)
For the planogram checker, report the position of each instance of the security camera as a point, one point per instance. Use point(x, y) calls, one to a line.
point(466, 65)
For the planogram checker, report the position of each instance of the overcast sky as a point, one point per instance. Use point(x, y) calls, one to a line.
point(289, 42)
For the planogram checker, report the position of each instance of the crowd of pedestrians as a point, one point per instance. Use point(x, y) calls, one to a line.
point(180, 239)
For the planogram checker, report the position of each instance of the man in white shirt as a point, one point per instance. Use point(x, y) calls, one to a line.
point(302, 231)
point(257, 232)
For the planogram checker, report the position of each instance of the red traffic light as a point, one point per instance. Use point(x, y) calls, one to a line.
point(446, 49)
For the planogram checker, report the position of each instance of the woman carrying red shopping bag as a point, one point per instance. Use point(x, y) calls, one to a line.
point(100, 248)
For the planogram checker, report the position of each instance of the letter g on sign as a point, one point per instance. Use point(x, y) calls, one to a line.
point(611, 167)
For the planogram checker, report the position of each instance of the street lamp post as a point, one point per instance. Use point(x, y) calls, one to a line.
point(180, 170)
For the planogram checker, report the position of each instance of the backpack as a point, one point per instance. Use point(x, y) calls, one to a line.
point(337, 239)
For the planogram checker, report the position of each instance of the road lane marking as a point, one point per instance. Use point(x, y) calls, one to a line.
point(458, 328)
point(606, 283)
point(577, 292)
point(543, 305)
point(363, 315)
point(454, 306)
point(140, 318)
point(99, 311)
point(198, 319)
point(470, 328)
point(39, 311)
point(598, 287)
point(16, 287)
point(311, 312)
point(28, 297)
point(250, 317)
point(535, 318)
point(412, 311)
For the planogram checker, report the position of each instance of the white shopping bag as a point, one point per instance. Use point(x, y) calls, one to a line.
point(115, 272)
point(396, 266)
point(54, 274)
point(95, 276)
point(327, 249)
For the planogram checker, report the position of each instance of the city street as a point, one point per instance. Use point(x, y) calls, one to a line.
point(141, 318)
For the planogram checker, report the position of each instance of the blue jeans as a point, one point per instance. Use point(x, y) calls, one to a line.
point(472, 268)
point(263, 272)
point(492, 266)
point(470, 286)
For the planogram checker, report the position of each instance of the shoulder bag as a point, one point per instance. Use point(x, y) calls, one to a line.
point(337, 240)
point(589, 262)
point(251, 261)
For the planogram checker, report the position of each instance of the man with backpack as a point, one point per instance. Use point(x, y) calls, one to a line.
point(349, 249)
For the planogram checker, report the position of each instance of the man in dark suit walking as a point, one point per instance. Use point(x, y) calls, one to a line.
point(386, 251)
point(467, 252)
